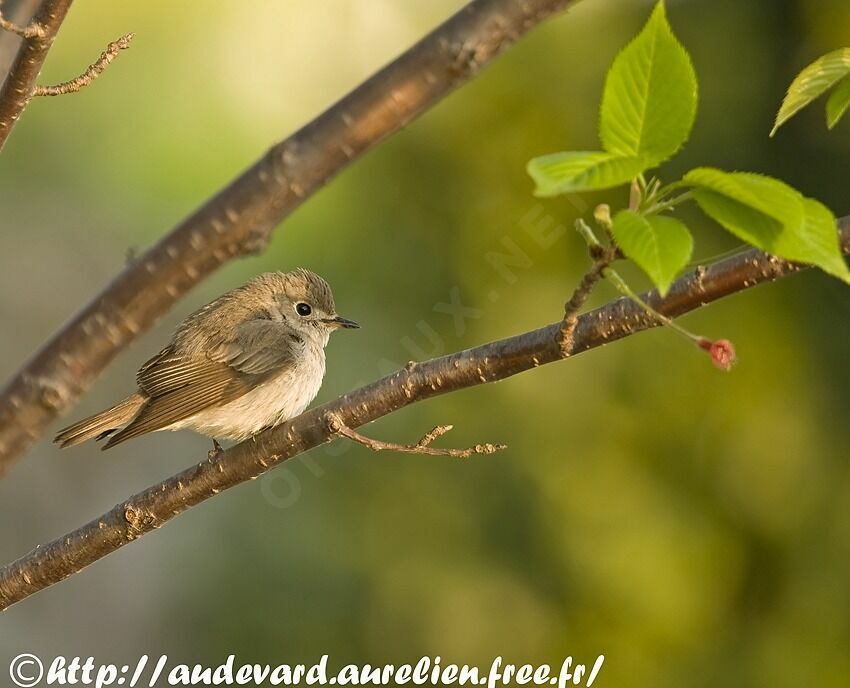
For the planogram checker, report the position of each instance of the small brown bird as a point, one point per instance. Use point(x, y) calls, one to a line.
point(249, 360)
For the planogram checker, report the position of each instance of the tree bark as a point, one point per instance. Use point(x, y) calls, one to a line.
point(239, 219)
point(141, 513)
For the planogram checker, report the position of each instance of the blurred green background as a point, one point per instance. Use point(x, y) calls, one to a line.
point(692, 526)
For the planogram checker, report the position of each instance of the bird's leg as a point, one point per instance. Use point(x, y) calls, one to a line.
point(216, 451)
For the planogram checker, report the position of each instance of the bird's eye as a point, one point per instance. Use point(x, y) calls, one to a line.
point(303, 309)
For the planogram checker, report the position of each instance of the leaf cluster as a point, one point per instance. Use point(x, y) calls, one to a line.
point(648, 109)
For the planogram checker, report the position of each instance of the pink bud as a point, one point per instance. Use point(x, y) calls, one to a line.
point(722, 352)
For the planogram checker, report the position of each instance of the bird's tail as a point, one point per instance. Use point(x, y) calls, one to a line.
point(101, 424)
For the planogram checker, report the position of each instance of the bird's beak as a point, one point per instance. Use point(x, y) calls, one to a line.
point(339, 321)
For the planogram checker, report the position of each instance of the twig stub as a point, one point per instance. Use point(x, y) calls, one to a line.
point(31, 30)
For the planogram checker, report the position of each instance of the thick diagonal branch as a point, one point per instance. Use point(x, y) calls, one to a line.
point(18, 88)
point(240, 218)
point(160, 503)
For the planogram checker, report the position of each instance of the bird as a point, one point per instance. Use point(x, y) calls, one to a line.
point(249, 360)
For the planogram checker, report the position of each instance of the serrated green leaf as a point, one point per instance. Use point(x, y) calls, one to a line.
point(772, 216)
point(648, 110)
point(769, 196)
point(560, 173)
point(745, 222)
point(817, 242)
point(839, 101)
point(650, 98)
point(661, 246)
point(813, 82)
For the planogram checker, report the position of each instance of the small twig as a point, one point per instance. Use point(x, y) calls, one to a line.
point(31, 30)
point(94, 70)
point(337, 427)
point(577, 300)
point(602, 257)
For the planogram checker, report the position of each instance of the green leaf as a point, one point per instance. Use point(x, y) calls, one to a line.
point(560, 173)
point(648, 109)
point(746, 223)
point(661, 246)
point(839, 101)
point(772, 216)
point(818, 241)
point(812, 82)
point(650, 98)
point(771, 197)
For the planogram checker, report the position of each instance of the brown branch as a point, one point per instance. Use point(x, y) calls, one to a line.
point(337, 427)
point(239, 220)
point(20, 12)
point(31, 30)
point(94, 70)
point(20, 82)
point(141, 513)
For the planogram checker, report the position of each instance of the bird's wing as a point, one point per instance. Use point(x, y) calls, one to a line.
point(180, 385)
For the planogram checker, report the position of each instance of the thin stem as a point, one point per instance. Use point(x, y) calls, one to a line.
point(620, 284)
point(586, 232)
point(661, 206)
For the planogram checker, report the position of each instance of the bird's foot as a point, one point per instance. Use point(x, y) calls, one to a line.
point(215, 452)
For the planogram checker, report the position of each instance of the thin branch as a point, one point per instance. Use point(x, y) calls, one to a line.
point(141, 513)
point(20, 82)
point(337, 427)
point(621, 286)
point(239, 220)
point(94, 70)
point(31, 30)
point(571, 308)
point(602, 257)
